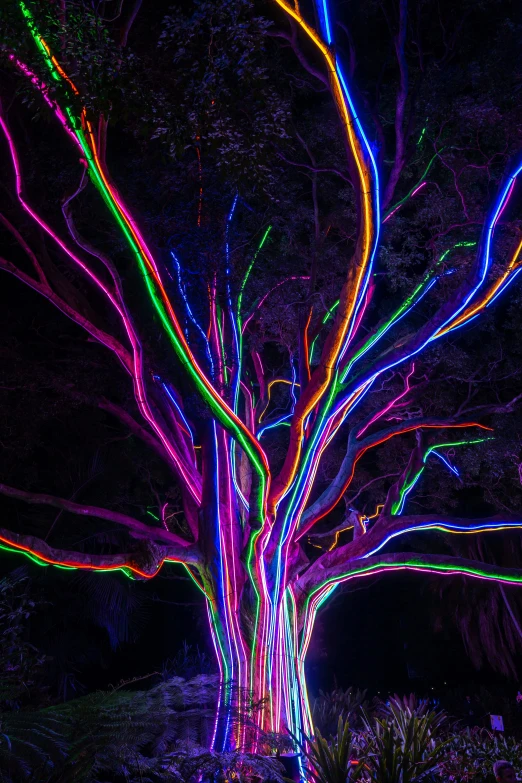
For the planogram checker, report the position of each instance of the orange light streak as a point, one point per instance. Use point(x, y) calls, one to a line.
point(348, 481)
point(284, 481)
point(270, 384)
point(473, 309)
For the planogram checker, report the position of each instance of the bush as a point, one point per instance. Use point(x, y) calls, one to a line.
point(472, 753)
point(402, 741)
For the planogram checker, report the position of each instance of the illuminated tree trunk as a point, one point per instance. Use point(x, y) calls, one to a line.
point(254, 625)
point(262, 682)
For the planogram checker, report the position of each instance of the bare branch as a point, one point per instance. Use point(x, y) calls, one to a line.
point(129, 22)
point(136, 428)
point(137, 529)
point(354, 451)
point(315, 169)
point(294, 43)
point(402, 561)
point(506, 407)
point(23, 244)
point(400, 106)
point(99, 335)
point(83, 243)
point(143, 564)
point(384, 476)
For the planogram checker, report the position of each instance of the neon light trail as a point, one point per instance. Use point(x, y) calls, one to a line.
point(245, 543)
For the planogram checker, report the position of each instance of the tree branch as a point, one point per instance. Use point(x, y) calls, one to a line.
point(136, 428)
point(315, 169)
point(400, 106)
point(87, 246)
point(144, 564)
point(354, 451)
point(414, 342)
point(506, 407)
point(364, 549)
point(406, 561)
point(124, 35)
point(136, 529)
point(23, 244)
point(294, 43)
point(99, 335)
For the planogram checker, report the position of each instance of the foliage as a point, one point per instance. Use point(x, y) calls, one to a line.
point(484, 701)
point(401, 741)
point(329, 706)
point(21, 664)
point(238, 135)
point(154, 735)
point(188, 662)
point(405, 744)
point(334, 760)
point(470, 755)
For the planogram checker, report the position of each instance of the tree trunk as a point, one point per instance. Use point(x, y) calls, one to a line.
point(252, 615)
point(262, 684)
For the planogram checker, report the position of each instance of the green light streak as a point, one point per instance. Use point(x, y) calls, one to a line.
point(212, 401)
point(239, 320)
point(414, 564)
point(124, 569)
point(326, 317)
point(247, 275)
point(409, 484)
point(221, 344)
point(405, 305)
point(406, 197)
point(423, 133)
point(32, 557)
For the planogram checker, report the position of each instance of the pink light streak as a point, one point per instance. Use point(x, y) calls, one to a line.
point(286, 280)
point(44, 90)
point(390, 404)
point(402, 204)
point(137, 374)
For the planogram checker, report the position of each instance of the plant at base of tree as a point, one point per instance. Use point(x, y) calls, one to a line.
point(334, 760)
point(21, 664)
point(329, 706)
point(406, 744)
point(134, 736)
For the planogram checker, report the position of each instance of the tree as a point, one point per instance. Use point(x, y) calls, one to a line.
point(266, 551)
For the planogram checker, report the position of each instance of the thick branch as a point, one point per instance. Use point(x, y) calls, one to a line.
point(136, 529)
point(364, 549)
point(136, 428)
point(349, 295)
point(144, 564)
point(354, 451)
